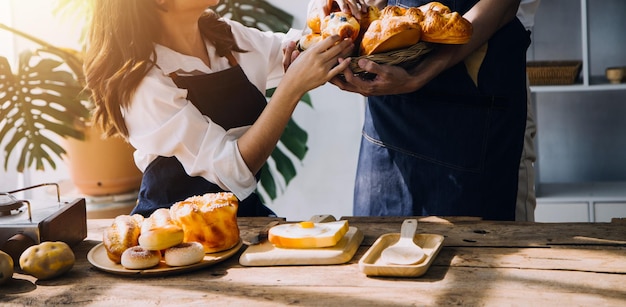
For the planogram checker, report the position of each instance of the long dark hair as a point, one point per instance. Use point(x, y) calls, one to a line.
point(120, 53)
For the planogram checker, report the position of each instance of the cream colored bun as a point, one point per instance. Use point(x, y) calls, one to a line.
point(186, 253)
point(159, 231)
point(161, 238)
point(137, 257)
point(122, 234)
point(342, 24)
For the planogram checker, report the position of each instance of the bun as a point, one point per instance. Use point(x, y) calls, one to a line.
point(159, 232)
point(396, 28)
point(137, 258)
point(309, 40)
point(210, 219)
point(440, 25)
point(184, 254)
point(121, 235)
point(342, 24)
point(308, 234)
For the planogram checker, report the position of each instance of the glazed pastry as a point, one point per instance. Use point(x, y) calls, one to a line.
point(440, 25)
point(121, 235)
point(342, 24)
point(210, 219)
point(396, 28)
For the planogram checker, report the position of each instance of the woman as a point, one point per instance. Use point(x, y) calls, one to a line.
point(442, 138)
point(185, 88)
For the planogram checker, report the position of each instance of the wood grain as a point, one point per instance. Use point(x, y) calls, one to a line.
point(481, 263)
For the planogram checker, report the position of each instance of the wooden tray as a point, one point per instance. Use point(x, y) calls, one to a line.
point(266, 254)
point(372, 265)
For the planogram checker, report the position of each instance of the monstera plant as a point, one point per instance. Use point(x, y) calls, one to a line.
point(46, 97)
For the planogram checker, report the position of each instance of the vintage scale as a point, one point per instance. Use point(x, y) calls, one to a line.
point(24, 223)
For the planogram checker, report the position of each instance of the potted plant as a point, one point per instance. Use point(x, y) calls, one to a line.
point(46, 100)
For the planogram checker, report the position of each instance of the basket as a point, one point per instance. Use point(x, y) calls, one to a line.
point(553, 72)
point(406, 57)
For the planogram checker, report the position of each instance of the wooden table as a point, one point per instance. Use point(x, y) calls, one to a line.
point(481, 263)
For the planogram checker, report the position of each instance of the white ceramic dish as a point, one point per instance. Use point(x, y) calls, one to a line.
point(97, 256)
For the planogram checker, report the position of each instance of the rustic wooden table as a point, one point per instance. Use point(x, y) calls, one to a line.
point(481, 263)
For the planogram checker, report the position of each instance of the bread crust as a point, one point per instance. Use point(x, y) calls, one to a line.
point(122, 234)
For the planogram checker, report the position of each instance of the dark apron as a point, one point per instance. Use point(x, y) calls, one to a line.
point(230, 100)
point(452, 148)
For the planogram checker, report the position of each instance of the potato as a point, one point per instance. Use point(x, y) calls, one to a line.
point(6, 267)
point(47, 260)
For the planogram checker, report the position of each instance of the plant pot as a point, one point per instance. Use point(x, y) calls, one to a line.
point(100, 166)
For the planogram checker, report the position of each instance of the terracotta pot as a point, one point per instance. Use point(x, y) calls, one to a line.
point(101, 166)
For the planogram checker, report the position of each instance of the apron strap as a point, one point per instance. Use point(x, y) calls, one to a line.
point(231, 61)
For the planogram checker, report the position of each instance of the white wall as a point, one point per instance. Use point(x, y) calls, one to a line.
point(325, 179)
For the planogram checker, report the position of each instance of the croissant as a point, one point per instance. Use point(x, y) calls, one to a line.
point(440, 25)
point(396, 28)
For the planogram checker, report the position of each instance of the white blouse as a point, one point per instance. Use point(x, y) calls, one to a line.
point(162, 122)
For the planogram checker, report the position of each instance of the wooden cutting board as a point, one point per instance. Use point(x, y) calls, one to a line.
point(266, 254)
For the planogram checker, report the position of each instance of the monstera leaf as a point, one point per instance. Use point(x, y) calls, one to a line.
point(42, 99)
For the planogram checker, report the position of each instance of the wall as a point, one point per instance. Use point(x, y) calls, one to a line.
point(325, 177)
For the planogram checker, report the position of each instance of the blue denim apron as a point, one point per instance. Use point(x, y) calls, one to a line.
point(230, 100)
point(453, 147)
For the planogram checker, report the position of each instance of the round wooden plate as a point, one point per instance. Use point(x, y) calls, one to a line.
point(97, 256)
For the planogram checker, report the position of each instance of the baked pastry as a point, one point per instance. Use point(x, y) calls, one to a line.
point(307, 234)
point(121, 235)
point(396, 28)
point(210, 219)
point(186, 253)
point(137, 257)
point(159, 231)
point(373, 13)
point(342, 24)
point(440, 25)
point(306, 41)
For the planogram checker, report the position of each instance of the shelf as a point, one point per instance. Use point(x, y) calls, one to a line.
point(582, 192)
point(578, 87)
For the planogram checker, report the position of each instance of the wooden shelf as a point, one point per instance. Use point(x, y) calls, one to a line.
point(590, 192)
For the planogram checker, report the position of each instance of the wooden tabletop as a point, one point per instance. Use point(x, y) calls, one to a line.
point(481, 263)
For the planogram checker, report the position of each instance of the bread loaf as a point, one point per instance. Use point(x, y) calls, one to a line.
point(210, 219)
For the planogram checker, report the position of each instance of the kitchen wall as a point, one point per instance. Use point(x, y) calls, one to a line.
point(325, 177)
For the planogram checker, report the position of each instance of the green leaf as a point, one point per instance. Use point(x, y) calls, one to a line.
point(267, 181)
point(41, 96)
point(284, 165)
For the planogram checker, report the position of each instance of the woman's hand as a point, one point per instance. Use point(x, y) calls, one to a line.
point(318, 64)
point(290, 53)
